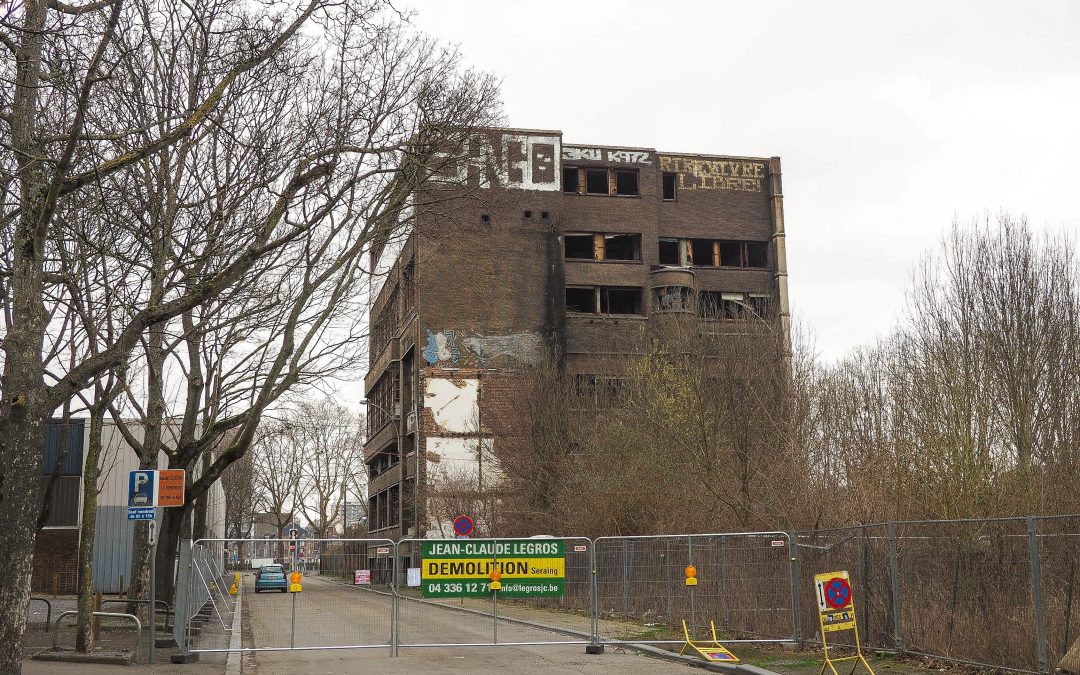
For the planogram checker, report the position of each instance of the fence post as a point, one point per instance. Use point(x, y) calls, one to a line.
point(894, 573)
point(395, 617)
point(1036, 592)
point(595, 647)
point(793, 566)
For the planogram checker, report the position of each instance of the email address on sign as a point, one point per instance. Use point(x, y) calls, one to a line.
point(530, 588)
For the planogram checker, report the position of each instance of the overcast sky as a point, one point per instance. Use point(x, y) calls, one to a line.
point(891, 119)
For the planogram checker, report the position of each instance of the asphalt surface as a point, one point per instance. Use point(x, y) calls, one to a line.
point(328, 613)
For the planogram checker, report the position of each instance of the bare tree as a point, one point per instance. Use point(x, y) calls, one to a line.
point(105, 96)
point(329, 439)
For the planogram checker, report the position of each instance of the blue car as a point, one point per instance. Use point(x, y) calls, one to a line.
point(271, 578)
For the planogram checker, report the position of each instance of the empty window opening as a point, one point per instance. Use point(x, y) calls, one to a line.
point(579, 246)
point(669, 252)
point(528, 215)
point(622, 247)
point(626, 182)
point(616, 300)
point(731, 254)
point(760, 305)
point(701, 250)
point(757, 254)
point(545, 215)
point(669, 187)
point(733, 305)
point(671, 299)
point(596, 181)
point(485, 218)
point(579, 299)
point(569, 179)
point(708, 304)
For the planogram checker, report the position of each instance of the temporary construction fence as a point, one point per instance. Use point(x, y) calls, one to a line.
point(745, 585)
point(994, 592)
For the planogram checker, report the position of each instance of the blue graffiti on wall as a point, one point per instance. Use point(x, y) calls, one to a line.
point(441, 346)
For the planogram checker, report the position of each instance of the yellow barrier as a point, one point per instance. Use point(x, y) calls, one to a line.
point(710, 651)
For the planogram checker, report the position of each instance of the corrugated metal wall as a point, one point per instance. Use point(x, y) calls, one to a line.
point(112, 548)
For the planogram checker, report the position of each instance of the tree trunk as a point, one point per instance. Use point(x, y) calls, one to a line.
point(24, 437)
point(172, 522)
point(25, 407)
point(84, 640)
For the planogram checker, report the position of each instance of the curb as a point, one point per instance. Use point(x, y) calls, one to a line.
point(233, 663)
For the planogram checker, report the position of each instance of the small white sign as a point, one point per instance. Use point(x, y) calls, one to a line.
point(362, 577)
point(580, 548)
point(412, 576)
point(382, 550)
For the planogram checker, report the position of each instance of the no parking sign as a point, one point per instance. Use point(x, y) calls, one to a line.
point(836, 612)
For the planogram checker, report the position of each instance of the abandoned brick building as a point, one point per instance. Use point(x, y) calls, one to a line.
point(576, 245)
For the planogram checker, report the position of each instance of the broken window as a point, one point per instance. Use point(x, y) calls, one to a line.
point(731, 254)
point(757, 254)
point(596, 181)
point(701, 250)
point(622, 247)
point(671, 299)
point(578, 246)
point(570, 179)
point(734, 305)
point(760, 305)
point(581, 299)
point(708, 304)
point(620, 300)
point(669, 187)
point(669, 252)
point(626, 182)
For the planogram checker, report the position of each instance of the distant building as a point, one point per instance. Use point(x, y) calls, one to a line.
point(56, 550)
point(571, 247)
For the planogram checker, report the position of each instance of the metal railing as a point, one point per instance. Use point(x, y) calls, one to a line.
point(115, 615)
point(999, 593)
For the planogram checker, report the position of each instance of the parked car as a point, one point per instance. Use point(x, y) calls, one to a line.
point(271, 578)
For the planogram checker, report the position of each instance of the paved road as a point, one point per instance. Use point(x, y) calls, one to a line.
point(328, 613)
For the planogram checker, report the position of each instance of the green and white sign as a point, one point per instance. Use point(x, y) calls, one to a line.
point(461, 568)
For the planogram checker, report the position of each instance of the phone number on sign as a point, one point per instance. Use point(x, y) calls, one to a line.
point(452, 587)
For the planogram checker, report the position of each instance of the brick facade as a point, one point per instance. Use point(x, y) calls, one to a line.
point(480, 289)
point(56, 560)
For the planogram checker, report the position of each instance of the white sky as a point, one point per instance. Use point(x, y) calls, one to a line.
point(890, 118)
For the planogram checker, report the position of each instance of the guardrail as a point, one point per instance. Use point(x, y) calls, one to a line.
point(48, 610)
point(115, 615)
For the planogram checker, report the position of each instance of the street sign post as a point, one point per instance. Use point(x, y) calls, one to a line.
point(148, 489)
point(836, 612)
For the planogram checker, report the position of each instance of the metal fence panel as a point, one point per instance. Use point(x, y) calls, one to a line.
point(330, 610)
point(1059, 559)
point(744, 587)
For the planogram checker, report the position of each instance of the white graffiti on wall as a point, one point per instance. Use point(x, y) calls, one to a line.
point(454, 404)
point(508, 160)
point(522, 347)
point(575, 154)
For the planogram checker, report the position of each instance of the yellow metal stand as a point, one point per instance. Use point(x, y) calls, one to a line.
point(710, 651)
point(836, 621)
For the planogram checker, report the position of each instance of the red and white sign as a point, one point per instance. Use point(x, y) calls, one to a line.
point(580, 548)
point(382, 550)
point(362, 577)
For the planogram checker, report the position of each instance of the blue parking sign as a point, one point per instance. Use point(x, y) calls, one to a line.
point(141, 485)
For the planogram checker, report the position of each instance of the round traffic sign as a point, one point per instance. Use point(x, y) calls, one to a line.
point(837, 593)
point(463, 526)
